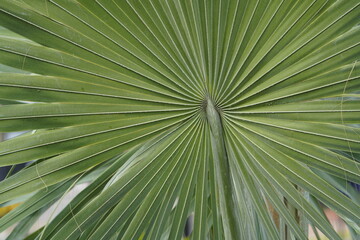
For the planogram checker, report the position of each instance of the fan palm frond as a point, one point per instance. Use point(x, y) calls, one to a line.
point(224, 111)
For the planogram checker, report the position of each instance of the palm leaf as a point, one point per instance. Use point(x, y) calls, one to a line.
point(216, 110)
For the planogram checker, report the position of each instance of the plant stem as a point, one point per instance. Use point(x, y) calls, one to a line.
point(223, 174)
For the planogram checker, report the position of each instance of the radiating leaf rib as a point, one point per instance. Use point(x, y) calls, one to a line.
point(30, 147)
point(161, 33)
point(186, 201)
point(334, 106)
point(333, 136)
point(214, 200)
point(128, 91)
point(220, 9)
point(338, 14)
point(245, 13)
point(52, 111)
point(233, 18)
point(346, 117)
point(266, 187)
point(262, 14)
point(331, 84)
point(288, 14)
point(314, 59)
point(58, 122)
point(288, 190)
point(306, 90)
point(38, 201)
point(241, 173)
point(310, 154)
point(96, 223)
point(66, 68)
point(38, 88)
point(141, 49)
point(110, 197)
point(184, 32)
point(133, 199)
point(138, 31)
point(340, 184)
point(201, 192)
point(196, 17)
point(85, 47)
point(92, 190)
point(167, 204)
point(39, 110)
point(178, 23)
point(69, 164)
point(181, 167)
point(184, 198)
point(164, 185)
point(296, 173)
point(251, 225)
point(10, 34)
point(172, 36)
point(23, 227)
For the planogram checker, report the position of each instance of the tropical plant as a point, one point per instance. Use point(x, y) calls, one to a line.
point(241, 114)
